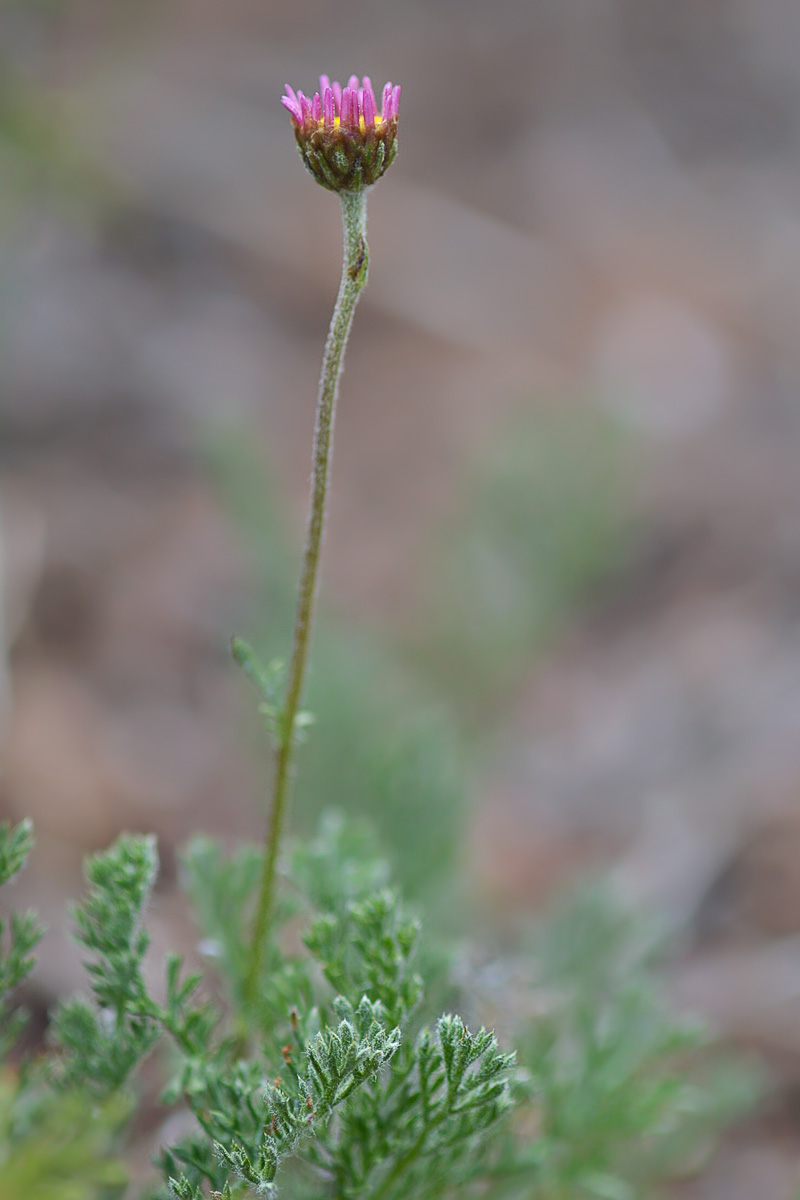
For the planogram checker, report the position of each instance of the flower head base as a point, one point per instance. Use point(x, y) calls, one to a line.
point(344, 141)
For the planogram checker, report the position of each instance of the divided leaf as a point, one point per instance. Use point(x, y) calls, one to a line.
point(254, 1124)
point(19, 935)
point(419, 1130)
point(368, 950)
point(104, 1041)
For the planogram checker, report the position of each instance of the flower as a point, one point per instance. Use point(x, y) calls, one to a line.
point(343, 140)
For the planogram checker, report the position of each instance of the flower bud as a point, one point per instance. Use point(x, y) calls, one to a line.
point(343, 140)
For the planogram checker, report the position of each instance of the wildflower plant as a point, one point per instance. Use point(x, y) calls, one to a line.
point(314, 1067)
point(346, 145)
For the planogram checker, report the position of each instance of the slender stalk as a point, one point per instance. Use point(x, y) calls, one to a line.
point(354, 277)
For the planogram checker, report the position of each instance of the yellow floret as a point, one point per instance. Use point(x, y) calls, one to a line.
point(361, 123)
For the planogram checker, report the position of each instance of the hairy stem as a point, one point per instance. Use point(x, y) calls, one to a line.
point(354, 277)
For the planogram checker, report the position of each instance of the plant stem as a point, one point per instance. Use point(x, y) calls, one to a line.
point(405, 1162)
point(354, 277)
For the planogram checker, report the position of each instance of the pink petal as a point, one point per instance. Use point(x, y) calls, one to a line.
point(337, 92)
point(328, 107)
point(349, 107)
point(368, 88)
point(293, 107)
point(386, 110)
point(367, 99)
point(354, 83)
point(324, 82)
point(316, 107)
point(396, 100)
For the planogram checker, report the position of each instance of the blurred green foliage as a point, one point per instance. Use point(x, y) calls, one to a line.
point(626, 1093)
point(55, 1143)
point(542, 528)
point(336, 1083)
point(19, 934)
point(382, 742)
point(41, 161)
point(52, 1148)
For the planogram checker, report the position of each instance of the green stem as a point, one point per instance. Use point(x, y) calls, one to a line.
point(402, 1164)
point(354, 277)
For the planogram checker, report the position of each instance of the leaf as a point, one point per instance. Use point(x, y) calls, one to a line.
point(607, 1187)
point(104, 1041)
point(16, 844)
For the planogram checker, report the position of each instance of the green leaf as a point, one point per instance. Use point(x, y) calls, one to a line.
point(16, 844)
point(104, 1041)
point(57, 1146)
point(266, 680)
point(19, 935)
point(369, 949)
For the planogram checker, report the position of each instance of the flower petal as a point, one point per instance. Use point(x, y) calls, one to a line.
point(367, 99)
point(328, 107)
point(293, 107)
point(349, 109)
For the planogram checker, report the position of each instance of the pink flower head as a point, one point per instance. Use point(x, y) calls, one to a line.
point(345, 140)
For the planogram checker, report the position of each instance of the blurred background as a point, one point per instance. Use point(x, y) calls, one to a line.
point(561, 597)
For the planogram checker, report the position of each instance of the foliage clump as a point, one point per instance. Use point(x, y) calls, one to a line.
point(338, 1082)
